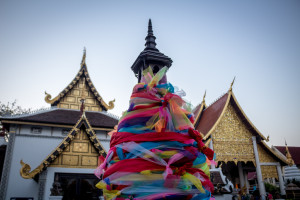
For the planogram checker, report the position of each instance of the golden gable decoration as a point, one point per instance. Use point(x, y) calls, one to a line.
point(70, 97)
point(79, 149)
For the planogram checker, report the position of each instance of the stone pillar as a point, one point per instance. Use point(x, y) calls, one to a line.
point(42, 184)
point(6, 165)
point(211, 147)
point(281, 183)
point(241, 175)
point(260, 181)
point(246, 181)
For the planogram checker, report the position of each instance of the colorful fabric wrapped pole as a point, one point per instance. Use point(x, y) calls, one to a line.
point(155, 153)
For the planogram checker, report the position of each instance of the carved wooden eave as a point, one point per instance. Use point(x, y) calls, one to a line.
point(82, 122)
point(82, 76)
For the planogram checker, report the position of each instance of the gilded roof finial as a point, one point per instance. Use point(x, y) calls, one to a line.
point(203, 100)
point(288, 156)
point(230, 89)
point(83, 57)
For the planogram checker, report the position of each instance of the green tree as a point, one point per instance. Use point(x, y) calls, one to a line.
point(271, 188)
point(10, 109)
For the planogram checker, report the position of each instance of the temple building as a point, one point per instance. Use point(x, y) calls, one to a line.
point(53, 153)
point(240, 148)
point(58, 148)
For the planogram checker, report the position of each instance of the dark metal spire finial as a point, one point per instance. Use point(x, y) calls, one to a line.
point(150, 31)
point(150, 38)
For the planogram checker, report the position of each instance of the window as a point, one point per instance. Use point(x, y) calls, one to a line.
point(36, 130)
point(75, 186)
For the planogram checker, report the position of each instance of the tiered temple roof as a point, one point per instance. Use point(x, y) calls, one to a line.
point(58, 117)
point(65, 107)
point(81, 85)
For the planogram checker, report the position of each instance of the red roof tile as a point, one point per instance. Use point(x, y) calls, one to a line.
point(66, 117)
point(294, 151)
point(211, 114)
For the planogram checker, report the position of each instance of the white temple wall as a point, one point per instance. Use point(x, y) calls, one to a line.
point(27, 130)
point(102, 135)
point(32, 150)
point(105, 144)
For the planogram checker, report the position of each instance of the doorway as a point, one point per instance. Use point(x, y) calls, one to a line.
point(76, 186)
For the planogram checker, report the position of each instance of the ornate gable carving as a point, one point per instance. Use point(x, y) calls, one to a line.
point(80, 153)
point(70, 97)
point(232, 139)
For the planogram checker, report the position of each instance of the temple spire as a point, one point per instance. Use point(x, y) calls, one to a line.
point(83, 57)
point(150, 38)
point(150, 56)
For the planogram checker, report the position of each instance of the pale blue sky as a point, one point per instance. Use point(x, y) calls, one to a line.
point(210, 42)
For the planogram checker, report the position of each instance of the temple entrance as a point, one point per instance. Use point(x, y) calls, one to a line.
point(76, 186)
point(239, 179)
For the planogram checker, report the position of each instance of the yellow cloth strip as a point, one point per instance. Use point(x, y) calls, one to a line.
point(195, 181)
point(108, 194)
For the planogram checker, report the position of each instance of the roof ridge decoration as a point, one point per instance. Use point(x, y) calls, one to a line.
point(231, 95)
point(230, 89)
point(202, 107)
point(289, 158)
point(82, 73)
point(83, 57)
point(83, 121)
